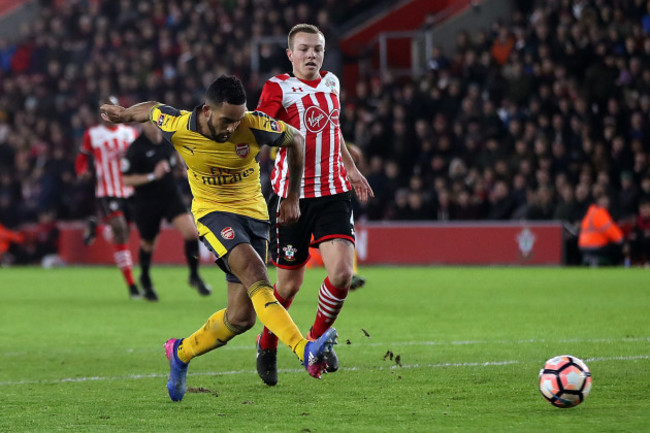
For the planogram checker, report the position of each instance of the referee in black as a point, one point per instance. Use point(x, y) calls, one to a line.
point(148, 167)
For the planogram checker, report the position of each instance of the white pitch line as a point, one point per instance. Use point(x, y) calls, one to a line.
point(232, 372)
point(522, 341)
point(616, 358)
point(251, 347)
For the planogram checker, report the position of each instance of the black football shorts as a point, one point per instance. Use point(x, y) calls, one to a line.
point(220, 232)
point(149, 214)
point(321, 218)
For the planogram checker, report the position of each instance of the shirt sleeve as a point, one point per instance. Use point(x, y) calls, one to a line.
point(271, 99)
point(168, 119)
point(614, 232)
point(81, 161)
point(270, 131)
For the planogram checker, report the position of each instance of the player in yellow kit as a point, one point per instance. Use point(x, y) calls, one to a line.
point(219, 142)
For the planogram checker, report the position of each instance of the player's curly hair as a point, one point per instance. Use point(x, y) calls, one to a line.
point(226, 88)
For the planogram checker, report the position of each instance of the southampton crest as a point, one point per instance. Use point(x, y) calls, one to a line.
point(526, 242)
point(289, 253)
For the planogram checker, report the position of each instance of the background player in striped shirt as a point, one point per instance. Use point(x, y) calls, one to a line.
point(308, 99)
point(107, 144)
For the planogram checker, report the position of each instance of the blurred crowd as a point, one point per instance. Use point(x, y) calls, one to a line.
point(79, 51)
point(531, 118)
point(528, 120)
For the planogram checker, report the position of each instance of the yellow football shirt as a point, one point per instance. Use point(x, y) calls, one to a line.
point(223, 176)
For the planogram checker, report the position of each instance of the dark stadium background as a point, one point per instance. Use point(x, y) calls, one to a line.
point(467, 112)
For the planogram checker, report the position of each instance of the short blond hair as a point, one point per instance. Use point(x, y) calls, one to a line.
point(304, 28)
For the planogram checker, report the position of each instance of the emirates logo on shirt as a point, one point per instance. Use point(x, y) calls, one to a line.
point(228, 233)
point(242, 149)
point(316, 119)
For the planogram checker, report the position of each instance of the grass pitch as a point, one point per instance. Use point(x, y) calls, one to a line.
point(466, 344)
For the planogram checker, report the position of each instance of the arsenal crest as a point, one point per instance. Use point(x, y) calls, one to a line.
point(242, 149)
point(228, 233)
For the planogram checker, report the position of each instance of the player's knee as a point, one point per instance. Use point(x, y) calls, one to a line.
point(120, 233)
point(288, 289)
point(242, 320)
point(251, 272)
point(341, 277)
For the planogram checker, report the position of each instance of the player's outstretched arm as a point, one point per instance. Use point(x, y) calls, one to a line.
point(290, 208)
point(359, 182)
point(135, 113)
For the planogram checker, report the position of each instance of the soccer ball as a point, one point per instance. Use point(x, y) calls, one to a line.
point(565, 381)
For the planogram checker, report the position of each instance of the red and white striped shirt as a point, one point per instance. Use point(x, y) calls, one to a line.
point(313, 107)
point(108, 145)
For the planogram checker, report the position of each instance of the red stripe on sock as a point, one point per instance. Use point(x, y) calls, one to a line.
point(330, 300)
point(124, 262)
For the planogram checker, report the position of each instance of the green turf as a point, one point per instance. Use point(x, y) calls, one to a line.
point(78, 355)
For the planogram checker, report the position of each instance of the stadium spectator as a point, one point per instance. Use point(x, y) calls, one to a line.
point(640, 236)
point(8, 237)
point(501, 204)
point(7, 51)
point(219, 142)
point(541, 205)
point(502, 46)
point(147, 166)
point(600, 240)
point(438, 60)
point(627, 206)
point(41, 242)
point(308, 100)
point(107, 144)
point(568, 211)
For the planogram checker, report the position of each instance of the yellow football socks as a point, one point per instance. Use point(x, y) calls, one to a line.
point(275, 317)
point(215, 333)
